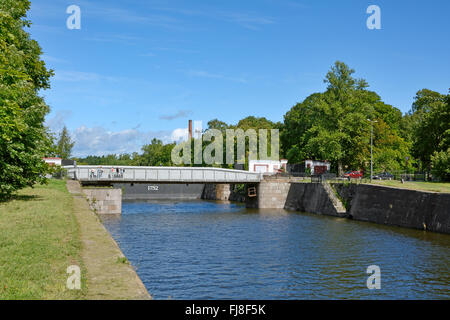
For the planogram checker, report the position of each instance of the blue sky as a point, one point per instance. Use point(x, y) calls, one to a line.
point(141, 69)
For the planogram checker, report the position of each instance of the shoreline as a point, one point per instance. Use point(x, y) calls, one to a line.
point(109, 273)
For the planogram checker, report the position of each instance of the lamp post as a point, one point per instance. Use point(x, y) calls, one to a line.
point(371, 147)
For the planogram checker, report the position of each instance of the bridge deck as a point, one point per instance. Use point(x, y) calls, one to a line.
point(111, 174)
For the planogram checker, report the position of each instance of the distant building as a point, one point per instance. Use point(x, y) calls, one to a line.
point(314, 166)
point(53, 161)
point(317, 167)
point(68, 163)
point(267, 166)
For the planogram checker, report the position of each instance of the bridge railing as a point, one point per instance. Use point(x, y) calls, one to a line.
point(161, 174)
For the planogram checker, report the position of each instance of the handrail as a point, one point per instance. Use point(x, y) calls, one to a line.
point(161, 174)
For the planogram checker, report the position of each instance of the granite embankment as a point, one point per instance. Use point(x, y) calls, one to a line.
point(312, 198)
point(399, 207)
point(372, 203)
point(109, 275)
point(222, 192)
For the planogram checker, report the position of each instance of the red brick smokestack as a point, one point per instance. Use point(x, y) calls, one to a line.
point(190, 129)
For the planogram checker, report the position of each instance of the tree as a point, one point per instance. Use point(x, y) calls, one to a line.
point(156, 154)
point(23, 138)
point(441, 164)
point(64, 145)
point(430, 114)
point(111, 159)
point(217, 124)
point(256, 123)
point(250, 122)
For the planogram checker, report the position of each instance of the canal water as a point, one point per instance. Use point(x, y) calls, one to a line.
point(212, 250)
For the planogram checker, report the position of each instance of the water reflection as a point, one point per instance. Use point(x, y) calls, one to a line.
point(209, 250)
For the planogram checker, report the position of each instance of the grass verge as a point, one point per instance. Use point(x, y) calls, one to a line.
point(39, 239)
point(416, 185)
point(109, 274)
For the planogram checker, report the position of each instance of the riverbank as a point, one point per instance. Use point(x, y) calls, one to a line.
point(44, 230)
point(423, 210)
point(39, 239)
point(440, 187)
point(110, 275)
point(429, 211)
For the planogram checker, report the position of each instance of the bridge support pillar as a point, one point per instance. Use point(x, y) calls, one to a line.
point(104, 200)
point(223, 192)
point(220, 191)
point(270, 194)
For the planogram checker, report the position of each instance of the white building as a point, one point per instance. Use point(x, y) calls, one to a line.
point(53, 161)
point(267, 166)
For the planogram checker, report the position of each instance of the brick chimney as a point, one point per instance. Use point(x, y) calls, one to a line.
point(190, 129)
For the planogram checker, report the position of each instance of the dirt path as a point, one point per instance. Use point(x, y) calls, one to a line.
point(108, 277)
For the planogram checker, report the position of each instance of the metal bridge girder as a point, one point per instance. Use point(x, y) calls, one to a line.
point(105, 174)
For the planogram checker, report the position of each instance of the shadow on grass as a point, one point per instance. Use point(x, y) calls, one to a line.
point(21, 197)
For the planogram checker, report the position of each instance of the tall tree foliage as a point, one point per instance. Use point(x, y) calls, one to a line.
point(110, 159)
point(430, 115)
point(156, 154)
point(333, 125)
point(23, 137)
point(64, 145)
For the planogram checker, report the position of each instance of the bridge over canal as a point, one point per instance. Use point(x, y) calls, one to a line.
point(107, 175)
point(271, 192)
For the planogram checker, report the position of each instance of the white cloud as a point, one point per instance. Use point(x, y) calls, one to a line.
point(179, 114)
point(77, 76)
point(100, 141)
point(48, 58)
point(206, 74)
point(127, 16)
point(120, 38)
point(180, 134)
point(56, 123)
point(248, 21)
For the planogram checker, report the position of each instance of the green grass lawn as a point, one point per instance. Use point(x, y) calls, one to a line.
point(416, 185)
point(39, 239)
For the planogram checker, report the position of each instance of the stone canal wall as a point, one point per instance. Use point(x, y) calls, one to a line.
point(104, 200)
point(312, 198)
point(379, 204)
point(270, 194)
point(398, 207)
point(106, 278)
point(220, 192)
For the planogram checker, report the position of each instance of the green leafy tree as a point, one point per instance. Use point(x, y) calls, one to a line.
point(111, 159)
point(23, 138)
point(441, 165)
point(156, 153)
point(333, 125)
point(218, 125)
point(431, 125)
point(64, 145)
point(250, 122)
point(256, 123)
